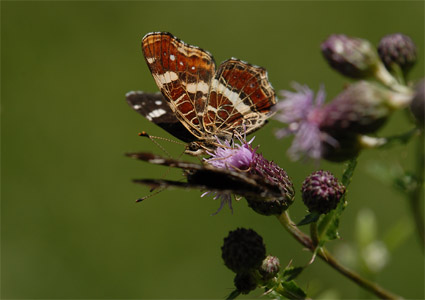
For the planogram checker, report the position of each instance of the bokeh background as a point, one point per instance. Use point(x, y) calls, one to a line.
point(70, 227)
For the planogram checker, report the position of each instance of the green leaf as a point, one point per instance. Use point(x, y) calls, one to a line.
point(291, 273)
point(292, 291)
point(233, 295)
point(328, 224)
point(309, 218)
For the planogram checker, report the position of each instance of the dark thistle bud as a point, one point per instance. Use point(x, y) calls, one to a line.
point(417, 104)
point(270, 267)
point(243, 250)
point(245, 282)
point(321, 192)
point(397, 50)
point(353, 57)
point(278, 179)
point(362, 108)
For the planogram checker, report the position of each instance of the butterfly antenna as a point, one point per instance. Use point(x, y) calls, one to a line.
point(151, 195)
point(154, 138)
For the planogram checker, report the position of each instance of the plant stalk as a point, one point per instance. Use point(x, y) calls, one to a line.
point(306, 241)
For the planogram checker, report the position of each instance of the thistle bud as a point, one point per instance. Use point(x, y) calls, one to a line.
point(245, 282)
point(417, 104)
point(270, 267)
point(321, 192)
point(361, 108)
point(397, 49)
point(353, 57)
point(277, 179)
point(243, 250)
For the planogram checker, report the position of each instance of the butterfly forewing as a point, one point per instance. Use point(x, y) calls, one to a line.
point(155, 108)
point(183, 73)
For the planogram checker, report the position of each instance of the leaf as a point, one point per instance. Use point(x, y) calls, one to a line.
point(233, 295)
point(328, 224)
point(292, 291)
point(309, 218)
point(292, 272)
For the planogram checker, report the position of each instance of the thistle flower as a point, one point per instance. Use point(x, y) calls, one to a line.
point(303, 114)
point(397, 50)
point(275, 189)
point(352, 57)
point(243, 250)
point(321, 192)
point(418, 102)
point(331, 131)
point(270, 267)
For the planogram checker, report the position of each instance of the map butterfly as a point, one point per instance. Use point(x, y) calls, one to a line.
point(199, 102)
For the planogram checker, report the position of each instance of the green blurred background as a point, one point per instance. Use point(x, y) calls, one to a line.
point(70, 227)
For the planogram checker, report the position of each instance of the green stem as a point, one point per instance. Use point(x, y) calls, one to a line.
point(285, 220)
point(415, 194)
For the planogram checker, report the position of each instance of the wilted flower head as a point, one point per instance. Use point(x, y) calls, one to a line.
point(397, 49)
point(352, 57)
point(243, 250)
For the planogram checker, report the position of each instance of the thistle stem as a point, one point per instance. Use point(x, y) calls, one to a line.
point(290, 226)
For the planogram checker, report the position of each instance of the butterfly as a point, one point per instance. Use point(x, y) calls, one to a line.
point(200, 103)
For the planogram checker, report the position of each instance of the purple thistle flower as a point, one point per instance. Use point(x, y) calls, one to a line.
point(230, 156)
point(243, 158)
point(303, 114)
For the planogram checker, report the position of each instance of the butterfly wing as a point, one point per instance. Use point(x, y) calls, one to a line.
point(241, 98)
point(155, 108)
point(183, 73)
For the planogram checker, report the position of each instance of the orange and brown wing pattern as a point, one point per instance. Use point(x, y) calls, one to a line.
point(183, 73)
point(240, 95)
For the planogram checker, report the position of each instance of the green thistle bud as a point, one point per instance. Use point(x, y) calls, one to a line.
point(245, 282)
point(243, 250)
point(417, 104)
point(321, 192)
point(270, 267)
point(279, 180)
point(397, 50)
point(353, 57)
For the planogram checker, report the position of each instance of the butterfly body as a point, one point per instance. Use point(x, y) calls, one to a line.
point(209, 103)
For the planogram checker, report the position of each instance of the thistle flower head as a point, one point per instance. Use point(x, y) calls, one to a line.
point(275, 189)
point(397, 49)
point(243, 250)
point(230, 155)
point(352, 57)
point(301, 111)
point(276, 178)
point(321, 192)
point(270, 267)
point(418, 103)
point(303, 114)
point(362, 108)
